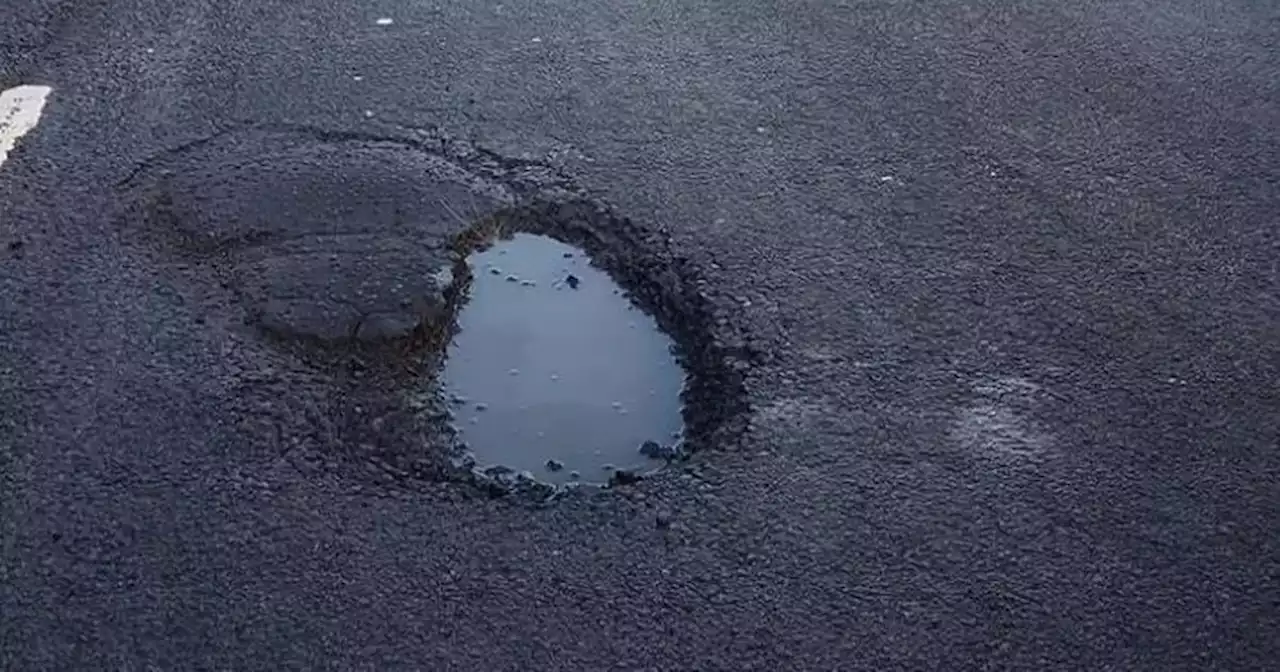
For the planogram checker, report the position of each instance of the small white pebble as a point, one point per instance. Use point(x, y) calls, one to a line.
point(617, 404)
point(514, 372)
point(150, 50)
point(358, 78)
point(537, 39)
point(555, 376)
point(384, 21)
point(368, 113)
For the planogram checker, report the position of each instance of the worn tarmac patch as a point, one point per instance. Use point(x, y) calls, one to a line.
point(324, 243)
point(999, 423)
point(348, 252)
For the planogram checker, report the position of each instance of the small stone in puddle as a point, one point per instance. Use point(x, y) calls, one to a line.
point(495, 270)
point(624, 477)
point(512, 278)
point(480, 406)
point(574, 475)
point(554, 465)
point(657, 451)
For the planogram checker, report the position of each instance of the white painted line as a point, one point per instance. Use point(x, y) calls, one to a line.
point(20, 109)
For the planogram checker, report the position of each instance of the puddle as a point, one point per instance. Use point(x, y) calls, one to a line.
point(553, 371)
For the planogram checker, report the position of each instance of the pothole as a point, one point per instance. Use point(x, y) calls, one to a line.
point(551, 341)
point(555, 373)
point(566, 291)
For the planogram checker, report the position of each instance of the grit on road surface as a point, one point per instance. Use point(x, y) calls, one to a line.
point(1014, 264)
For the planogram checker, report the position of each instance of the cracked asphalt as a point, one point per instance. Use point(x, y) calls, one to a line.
point(1012, 265)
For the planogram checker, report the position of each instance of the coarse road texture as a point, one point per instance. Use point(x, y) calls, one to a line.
point(1014, 264)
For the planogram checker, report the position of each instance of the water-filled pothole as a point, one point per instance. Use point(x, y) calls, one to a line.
point(324, 247)
point(553, 370)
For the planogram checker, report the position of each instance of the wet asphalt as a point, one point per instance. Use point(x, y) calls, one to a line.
point(1011, 266)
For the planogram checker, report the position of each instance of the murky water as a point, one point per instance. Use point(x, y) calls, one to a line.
point(554, 371)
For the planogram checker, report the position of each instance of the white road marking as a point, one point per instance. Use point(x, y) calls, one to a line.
point(20, 109)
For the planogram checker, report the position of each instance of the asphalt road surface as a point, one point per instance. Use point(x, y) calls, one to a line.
point(1008, 269)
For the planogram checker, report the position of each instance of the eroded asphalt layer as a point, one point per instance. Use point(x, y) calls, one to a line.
point(999, 280)
point(351, 258)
